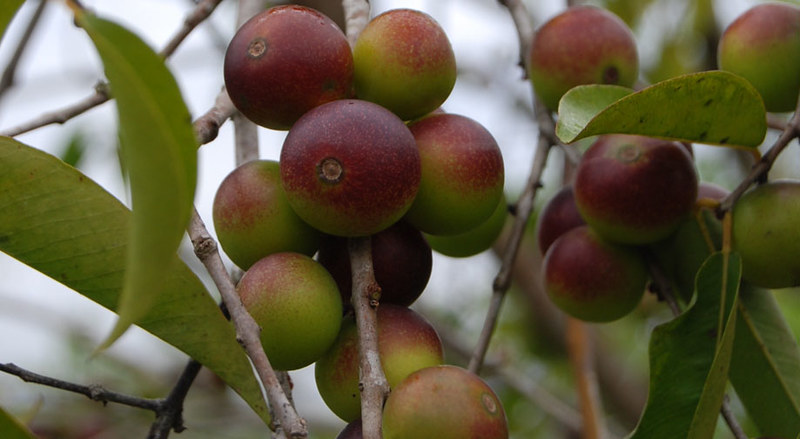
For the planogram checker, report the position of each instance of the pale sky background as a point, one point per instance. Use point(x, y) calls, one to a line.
point(60, 67)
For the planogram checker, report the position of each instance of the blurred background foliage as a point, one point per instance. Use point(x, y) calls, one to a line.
point(675, 37)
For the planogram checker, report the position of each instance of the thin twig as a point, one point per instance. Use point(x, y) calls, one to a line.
point(541, 397)
point(100, 96)
point(760, 169)
point(206, 127)
point(102, 93)
point(246, 139)
point(366, 293)
point(580, 354)
point(170, 417)
point(201, 11)
point(247, 330)
point(246, 132)
point(524, 207)
point(7, 80)
point(94, 392)
point(730, 419)
point(524, 25)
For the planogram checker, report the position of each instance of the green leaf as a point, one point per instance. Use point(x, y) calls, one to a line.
point(689, 362)
point(709, 107)
point(10, 428)
point(765, 370)
point(160, 155)
point(8, 8)
point(59, 222)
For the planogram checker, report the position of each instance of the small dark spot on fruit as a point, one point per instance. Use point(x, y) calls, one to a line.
point(611, 75)
point(329, 84)
point(708, 102)
point(641, 120)
point(257, 48)
point(703, 135)
point(724, 140)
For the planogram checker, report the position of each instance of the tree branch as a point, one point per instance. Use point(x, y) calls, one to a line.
point(524, 205)
point(201, 11)
point(365, 296)
point(94, 392)
point(247, 330)
point(246, 139)
point(207, 126)
point(102, 93)
point(170, 417)
point(356, 17)
point(523, 209)
point(7, 80)
point(539, 396)
point(169, 410)
point(583, 367)
point(760, 169)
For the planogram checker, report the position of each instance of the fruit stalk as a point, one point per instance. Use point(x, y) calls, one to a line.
point(247, 331)
point(366, 293)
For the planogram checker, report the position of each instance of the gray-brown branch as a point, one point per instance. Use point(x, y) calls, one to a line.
point(365, 296)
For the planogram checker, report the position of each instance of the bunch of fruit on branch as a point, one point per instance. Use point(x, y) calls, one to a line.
point(635, 200)
point(369, 152)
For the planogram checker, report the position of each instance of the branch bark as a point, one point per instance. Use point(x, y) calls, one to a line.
point(524, 205)
point(762, 167)
point(102, 93)
point(169, 410)
point(247, 331)
point(580, 353)
point(207, 126)
point(7, 80)
point(356, 17)
point(366, 293)
point(523, 210)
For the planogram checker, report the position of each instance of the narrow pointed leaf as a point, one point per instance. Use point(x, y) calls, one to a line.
point(765, 370)
point(689, 362)
point(160, 155)
point(10, 428)
point(59, 222)
point(8, 8)
point(717, 108)
point(705, 416)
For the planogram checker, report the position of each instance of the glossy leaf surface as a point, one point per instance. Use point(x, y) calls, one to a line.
point(159, 152)
point(56, 220)
point(710, 107)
